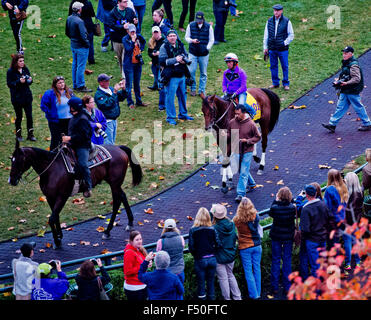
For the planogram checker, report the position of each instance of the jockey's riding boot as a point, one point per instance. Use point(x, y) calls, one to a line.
point(30, 135)
point(18, 134)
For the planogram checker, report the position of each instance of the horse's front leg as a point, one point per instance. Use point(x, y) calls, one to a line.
point(264, 148)
point(129, 213)
point(54, 221)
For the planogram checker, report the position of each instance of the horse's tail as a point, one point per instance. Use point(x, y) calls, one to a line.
point(275, 107)
point(136, 169)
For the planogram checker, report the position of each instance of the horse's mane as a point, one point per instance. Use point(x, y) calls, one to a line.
point(47, 155)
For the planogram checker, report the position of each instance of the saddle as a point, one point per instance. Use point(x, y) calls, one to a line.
point(251, 101)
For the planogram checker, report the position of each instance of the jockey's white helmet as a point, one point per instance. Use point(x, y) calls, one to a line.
point(231, 57)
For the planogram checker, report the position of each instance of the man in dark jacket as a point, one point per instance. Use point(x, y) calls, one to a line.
point(79, 137)
point(13, 7)
point(76, 31)
point(278, 34)
point(119, 19)
point(200, 36)
point(351, 85)
point(316, 223)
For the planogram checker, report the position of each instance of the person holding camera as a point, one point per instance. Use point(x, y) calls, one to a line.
point(14, 7)
point(133, 61)
point(119, 19)
point(98, 123)
point(24, 271)
point(173, 61)
point(200, 36)
point(234, 83)
point(19, 79)
point(88, 282)
point(351, 84)
point(79, 137)
point(47, 288)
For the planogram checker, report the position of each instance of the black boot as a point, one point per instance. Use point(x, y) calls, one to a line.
point(30, 135)
point(19, 135)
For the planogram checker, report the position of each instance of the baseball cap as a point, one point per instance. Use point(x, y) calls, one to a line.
point(77, 6)
point(103, 77)
point(75, 103)
point(156, 29)
point(26, 248)
point(44, 268)
point(132, 28)
point(170, 224)
point(348, 49)
point(277, 7)
point(310, 190)
point(200, 16)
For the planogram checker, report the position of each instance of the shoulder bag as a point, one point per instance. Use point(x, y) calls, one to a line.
point(102, 293)
point(21, 16)
point(297, 234)
point(97, 28)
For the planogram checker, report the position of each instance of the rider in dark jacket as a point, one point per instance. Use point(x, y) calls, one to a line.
point(79, 137)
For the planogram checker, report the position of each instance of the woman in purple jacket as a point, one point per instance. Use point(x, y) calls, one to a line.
point(99, 123)
point(234, 82)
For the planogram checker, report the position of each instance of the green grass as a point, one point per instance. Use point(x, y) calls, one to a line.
point(314, 56)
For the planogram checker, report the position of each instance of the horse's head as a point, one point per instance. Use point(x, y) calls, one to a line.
point(18, 165)
point(208, 110)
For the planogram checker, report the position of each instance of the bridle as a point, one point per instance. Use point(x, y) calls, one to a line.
point(215, 121)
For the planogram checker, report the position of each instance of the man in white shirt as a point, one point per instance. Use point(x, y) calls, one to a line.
point(200, 36)
point(278, 34)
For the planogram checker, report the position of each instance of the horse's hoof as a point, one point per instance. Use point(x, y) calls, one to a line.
point(260, 172)
point(224, 190)
point(256, 159)
point(106, 236)
point(129, 227)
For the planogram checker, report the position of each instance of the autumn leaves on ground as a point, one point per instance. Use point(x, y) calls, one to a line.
point(23, 209)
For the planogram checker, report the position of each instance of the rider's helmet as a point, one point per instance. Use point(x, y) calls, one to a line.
point(231, 57)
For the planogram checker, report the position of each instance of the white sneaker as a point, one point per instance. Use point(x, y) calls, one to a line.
point(103, 49)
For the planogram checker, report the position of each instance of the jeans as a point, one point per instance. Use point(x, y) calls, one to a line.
point(136, 295)
point(283, 56)
point(202, 62)
point(111, 132)
point(181, 277)
point(227, 281)
point(220, 21)
point(313, 254)
point(140, 13)
point(250, 109)
point(348, 243)
point(176, 86)
point(245, 178)
point(345, 100)
point(185, 11)
point(79, 59)
point(167, 6)
point(156, 73)
point(232, 9)
point(107, 36)
point(162, 93)
point(83, 171)
point(281, 250)
point(205, 269)
point(250, 258)
point(91, 47)
point(304, 261)
point(133, 73)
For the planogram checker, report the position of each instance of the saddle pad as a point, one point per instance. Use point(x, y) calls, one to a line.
point(250, 100)
point(102, 156)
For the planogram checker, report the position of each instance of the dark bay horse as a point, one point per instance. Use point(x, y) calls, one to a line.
point(57, 184)
point(218, 112)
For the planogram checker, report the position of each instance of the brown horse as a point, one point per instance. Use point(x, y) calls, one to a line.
point(218, 112)
point(57, 184)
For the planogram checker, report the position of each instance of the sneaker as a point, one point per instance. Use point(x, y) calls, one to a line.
point(238, 198)
point(103, 49)
point(329, 127)
point(172, 122)
point(272, 86)
point(83, 89)
point(364, 128)
point(153, 88)
point(141, 104)
point(286, 88)
point(186, 118)
point(250, 189)
point(193, 93)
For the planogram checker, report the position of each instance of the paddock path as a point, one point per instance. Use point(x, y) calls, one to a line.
point(298, 145)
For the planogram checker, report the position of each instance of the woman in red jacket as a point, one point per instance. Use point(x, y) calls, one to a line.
point(134, 255)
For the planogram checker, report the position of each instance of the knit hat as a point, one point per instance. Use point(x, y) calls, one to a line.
point(218, 211)
point(162, 260)
point(310, 190)
point(44, 268)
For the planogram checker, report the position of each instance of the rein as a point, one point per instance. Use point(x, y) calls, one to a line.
point(223, 115)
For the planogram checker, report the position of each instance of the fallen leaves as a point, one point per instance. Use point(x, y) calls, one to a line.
point(78, 201)
point(42, 199)
point(324, 166)
point(100, 229)
point(148, 211)
point(297, 107)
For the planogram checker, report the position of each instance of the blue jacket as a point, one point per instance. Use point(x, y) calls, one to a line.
point(129, 47)
point(49, 105)
point(98, 117)
point(109, 104)
point(21, 4)
point(161, 284)
point(104, 8)
point(283, 227)
point(50, 289)
point(333, 202)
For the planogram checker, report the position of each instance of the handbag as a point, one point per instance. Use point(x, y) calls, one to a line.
point(297, 233)
point(97, 28)
point(21, 16)
point(102, 293)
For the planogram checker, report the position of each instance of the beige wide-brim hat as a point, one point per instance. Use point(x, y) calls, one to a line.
point(219, 211)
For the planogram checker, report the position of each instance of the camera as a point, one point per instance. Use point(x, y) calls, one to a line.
point(101, 133)
point(95, 262)
point(186, 60)
point(337, 83)
point(53, 263)
point(139, 58)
